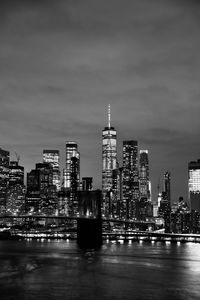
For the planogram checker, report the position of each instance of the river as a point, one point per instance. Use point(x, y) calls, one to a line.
point(60, 270)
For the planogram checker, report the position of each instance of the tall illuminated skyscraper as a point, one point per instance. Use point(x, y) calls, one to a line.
point(144, 175)
point(16, 189)
point(130, 179)
point(167, 186)
point(194, 184)
point(165, 203)
point(16, 175)
point(53, 157)
point(109, 160)
point(71, 151)
point(72, 176)
point(4, 178)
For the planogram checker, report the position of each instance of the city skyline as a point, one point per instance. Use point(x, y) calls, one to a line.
point(146, 66)
point(160, 183)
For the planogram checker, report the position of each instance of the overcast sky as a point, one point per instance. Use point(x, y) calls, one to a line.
point(63, 61)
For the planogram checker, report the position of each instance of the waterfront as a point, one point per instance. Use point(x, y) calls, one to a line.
point(60, 270)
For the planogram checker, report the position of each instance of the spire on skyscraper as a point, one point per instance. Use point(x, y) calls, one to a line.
point(108, 115)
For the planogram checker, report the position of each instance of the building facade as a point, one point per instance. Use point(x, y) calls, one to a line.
point(130, 179)
point(16, 189)
point(41, 196)
point(4, 178)
point(167, 186)
point(87, 183)
point(53, 157)
point(144, 181)
point(71, 177)
point(71, 151)
point(109, 163)
point(194, 185)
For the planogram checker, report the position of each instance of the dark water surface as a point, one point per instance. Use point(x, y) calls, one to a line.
point(60, 270)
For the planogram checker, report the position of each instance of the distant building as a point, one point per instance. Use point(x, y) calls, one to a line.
point(87, 183)
point(130, 178)
point(41, 193)
point(74, 185)
point(16, 174)
point(71, 178)
point(144, 205)
point(4, 178)
point(33, 201)
point(53, 157)
point(16, 189)
point(71, 151)
point(144, 175)
point(15, 199)
point(109, 163)
point(194, 184)
point(63, 202)
point(167, 186)
point(116, 195)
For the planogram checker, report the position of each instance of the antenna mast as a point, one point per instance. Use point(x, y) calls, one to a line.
point(108, 115)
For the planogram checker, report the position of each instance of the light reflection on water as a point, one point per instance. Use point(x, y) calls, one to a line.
point(60, 270)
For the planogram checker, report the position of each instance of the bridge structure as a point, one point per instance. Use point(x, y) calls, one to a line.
point(17, 219)
point(127, 233)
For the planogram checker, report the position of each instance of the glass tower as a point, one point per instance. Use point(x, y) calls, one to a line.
point(4, 178)
point(144, 175)
point(71, 151)
point(130, 179)
point(194, 184)
point(72, 176)
point(53, 157)
point(109, 160)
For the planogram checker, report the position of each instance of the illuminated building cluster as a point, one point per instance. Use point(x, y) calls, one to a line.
point(194, 184)
point(126, 188)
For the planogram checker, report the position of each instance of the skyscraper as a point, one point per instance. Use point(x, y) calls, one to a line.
point(144, 206)
point(41, 193)
point(144, 175)
point(116, 195)
point(130, 179)
point(4, 178)
point(109, 160)
point(16, 174)
point(194, 184)
point(32, 201)
point(165, 203)
point(72, 176)
point(16, 189)
point(71, 151)
point(87, 183)
point(53, 157)
point(167, 186)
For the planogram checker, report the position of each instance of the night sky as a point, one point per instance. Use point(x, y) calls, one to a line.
point(63, 61)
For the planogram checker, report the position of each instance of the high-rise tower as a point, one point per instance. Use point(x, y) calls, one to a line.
point(194, 184)
point(72, 176)
point(144, 175)
point(109, 159)
point(4, 178)
point(16, 189)
point(130, 179)
point(71, 151)
point(53, 157)
point(167, 186)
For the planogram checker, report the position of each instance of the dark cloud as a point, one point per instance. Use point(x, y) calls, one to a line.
point(62, 62)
